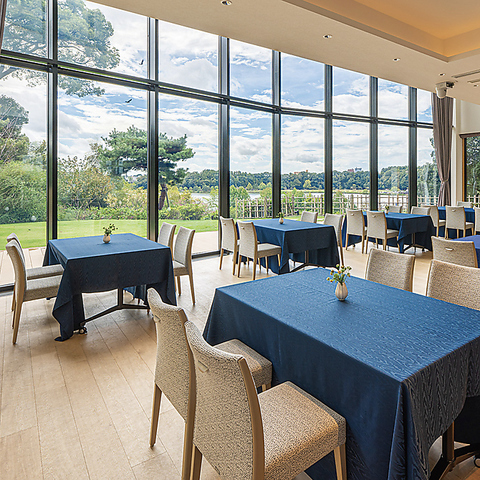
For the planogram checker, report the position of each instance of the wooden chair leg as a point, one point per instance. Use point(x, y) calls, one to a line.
point(266, 386)
point(16, 321)
point(221, 258)
point(13, 301)
point(341, 254)
point(279, 266)
point(346, 243)
point(187, 452)
point(254, 268)
point(157, 397)
point(341, 462)
point(234, 260)
point(266, 264)
point(239, 264)
point(179, 285)
point(363, 243)
point(192, 290)
point(196, 464)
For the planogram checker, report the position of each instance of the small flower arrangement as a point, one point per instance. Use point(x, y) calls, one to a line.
point(280, 217)
point(387, 207)
point(340, 275)
point(108, 230)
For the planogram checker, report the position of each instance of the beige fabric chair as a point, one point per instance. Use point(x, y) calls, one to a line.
point(477, 220)
point(26, 289)
point(420, 210)
point(355, 225)
point(229, 240)
point(460, 253)
point(310, 217)
point(182, 258)
point(165, 235)
point(172, 370)
point(455, 219)
point(274, 436)
point(464, 204)
point(395, 208)
point(337, 222)
point(391, 269)
point(36, 272)
point(250, 248)
point(454, 283)
point(377, 228)
point(437, 223)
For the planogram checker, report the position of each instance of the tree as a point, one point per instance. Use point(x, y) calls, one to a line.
point(307, 185)
point(13, 143)
point(83, 38)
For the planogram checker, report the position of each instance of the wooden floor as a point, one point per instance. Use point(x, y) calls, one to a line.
point(81, 409)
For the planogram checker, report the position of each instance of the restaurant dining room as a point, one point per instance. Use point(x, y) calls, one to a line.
point(241, 240)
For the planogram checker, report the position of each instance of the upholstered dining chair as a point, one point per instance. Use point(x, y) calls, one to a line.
point(165, 235)
point(464, 204)
point(336, 221)
point(173, 377)
point(182, 258)
point(310, 217)
point(455, 219)
point(454, 283)
point(250, 248)
point(35, 272)
point(437, 223)
point(391, 269)
point(477, 220)
point(355, 225)
point(28, 289)
point(459, 253)
point(242, 434)
point(395, 208)
point(420, 210)
point(229, 240)
point(377, 228)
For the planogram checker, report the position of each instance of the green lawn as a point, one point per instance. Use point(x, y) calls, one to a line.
point(33, 234)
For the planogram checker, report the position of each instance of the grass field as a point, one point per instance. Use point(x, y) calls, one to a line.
point(34, 234)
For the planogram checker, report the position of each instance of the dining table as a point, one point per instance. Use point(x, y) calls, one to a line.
point(413, 230)
point(91, 265)
point(295, 238)
point(396, 365)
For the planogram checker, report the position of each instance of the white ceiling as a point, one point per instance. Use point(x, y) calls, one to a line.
point(429, 36)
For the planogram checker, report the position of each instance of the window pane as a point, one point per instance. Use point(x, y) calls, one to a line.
point(302, 165)
point(250, 163)
point(472, 168)
point(102, 37)
point(25, 27)
point(351, 177)
point(424, 106)
point(250, 72)
point(188, 57)
point(392, 100)
point(428, 181)
point(302, 83)
point(350, 92)
point(189, 197)
point(392, 166)
point(102, 150)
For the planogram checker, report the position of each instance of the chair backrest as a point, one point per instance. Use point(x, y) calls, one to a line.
point(355, 222)
point(420, 210)
point(310, 217)
point(395, 208)
point(455, 217)
point(477, 219)
point(13, 236)
point(228, 427)
point(13, 251)
point(165, 235)
point(434, 215)
point(464, 204)
point(389, 268)
point(182, 252)
point(376, 224)
point(248, 239)
point(451, 251)
point(336, 221)
point(229, 234)
point(454, 283)
point(172, 369)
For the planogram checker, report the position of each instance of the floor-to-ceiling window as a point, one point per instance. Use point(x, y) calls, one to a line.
point(472, 168)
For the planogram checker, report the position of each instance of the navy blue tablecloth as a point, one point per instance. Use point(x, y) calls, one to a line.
point(296, 238)
point(476, 241)
point(395, 364)
point(90, 265)
point(442, 214)
point(407, 225)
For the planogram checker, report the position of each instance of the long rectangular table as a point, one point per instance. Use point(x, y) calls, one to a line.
point(395, 364)
point(90, 265)
point(296, 238)
point(410, 227)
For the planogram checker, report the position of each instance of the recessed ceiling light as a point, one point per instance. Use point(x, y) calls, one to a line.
point(226, 2)
point(396, 59)
point(327, 36)
point(441, 74)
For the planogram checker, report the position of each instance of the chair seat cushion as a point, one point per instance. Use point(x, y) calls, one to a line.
point(260, 366)
point(179, 269)
point(42, 272)
point(42, 288)
point(298, 429)
point(268, 249)
point(392, 233)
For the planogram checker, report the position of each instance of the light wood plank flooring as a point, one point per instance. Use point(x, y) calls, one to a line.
point(81, 409)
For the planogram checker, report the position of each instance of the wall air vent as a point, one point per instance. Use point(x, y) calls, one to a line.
point(466, 74)
point(477, 80)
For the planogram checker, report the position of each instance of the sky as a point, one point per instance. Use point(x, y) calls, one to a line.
point(189, 58)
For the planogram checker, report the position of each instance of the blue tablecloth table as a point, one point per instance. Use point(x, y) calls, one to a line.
point(296, 238)
point(396, 365)
point(442, 215)
point(476, 241)
point(409, 226)
point(90, 265)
